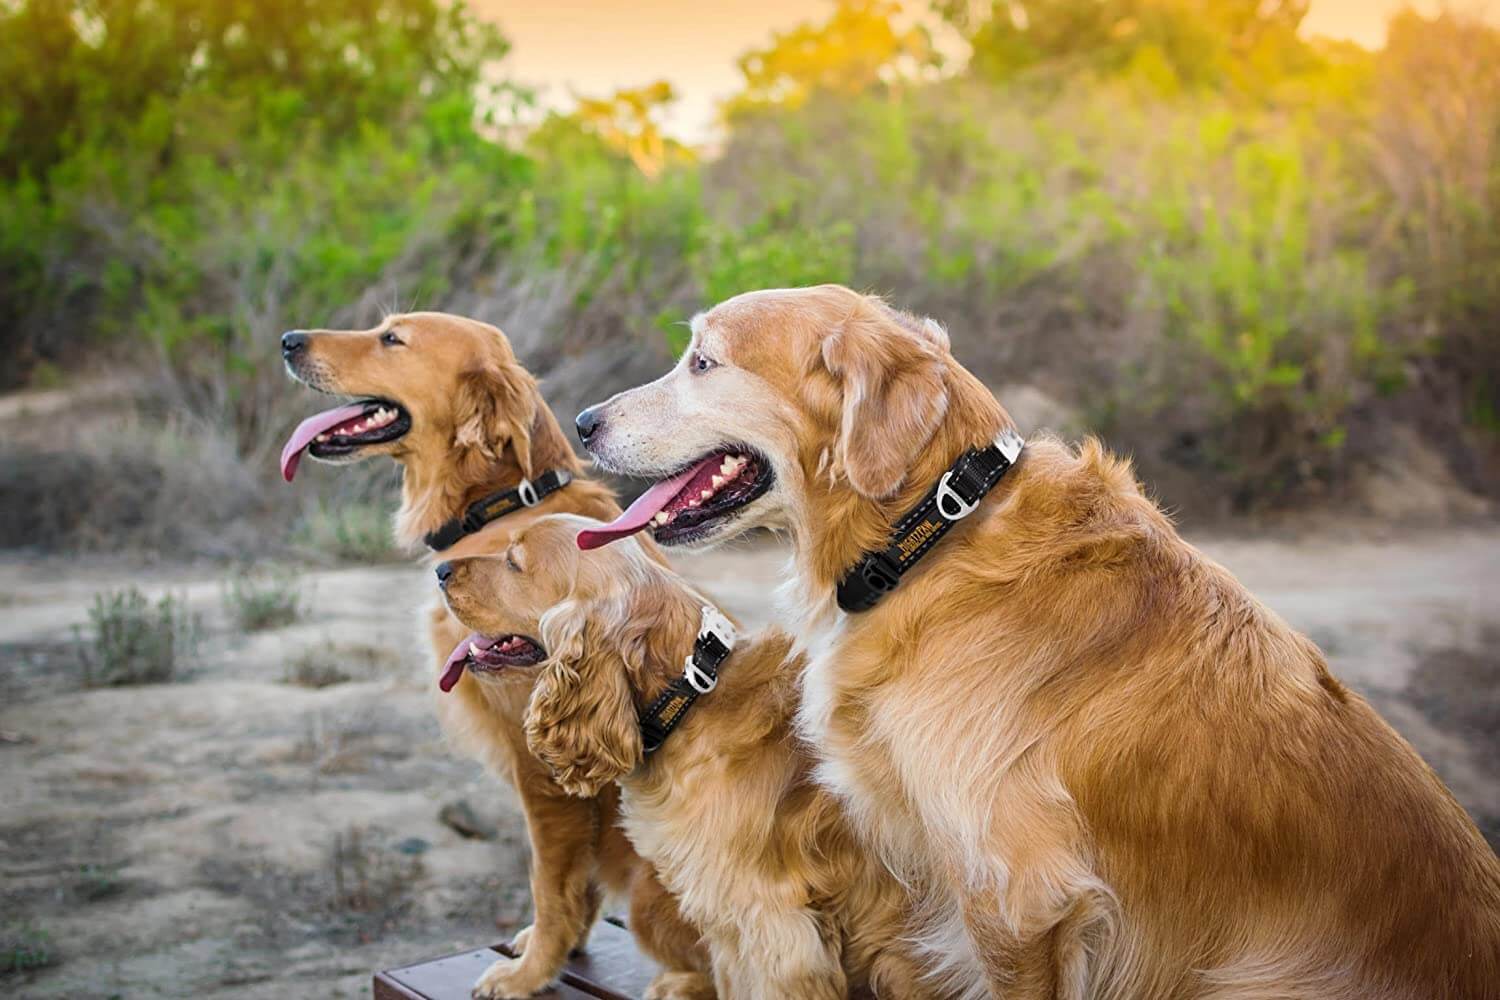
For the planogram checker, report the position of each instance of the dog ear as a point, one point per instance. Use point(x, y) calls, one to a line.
point(495, 406)
point(581, 721)
point(891, 368)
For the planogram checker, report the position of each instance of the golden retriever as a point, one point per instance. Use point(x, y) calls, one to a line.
point(762, 859)
point(446, 398)
point(1122, 775)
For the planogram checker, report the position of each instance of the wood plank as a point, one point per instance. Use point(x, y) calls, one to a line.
point(609, 969)
point(452, 978)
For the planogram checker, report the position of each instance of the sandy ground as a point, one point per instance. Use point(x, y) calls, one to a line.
point(234, 834)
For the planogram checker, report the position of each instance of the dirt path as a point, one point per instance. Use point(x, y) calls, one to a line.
point(235, 834)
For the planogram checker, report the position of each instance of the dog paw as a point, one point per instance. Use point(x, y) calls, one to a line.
point(509, 979)
point(518, 943)
point(680, 986)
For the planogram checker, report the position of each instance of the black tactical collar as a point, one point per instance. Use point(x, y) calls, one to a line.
point(496, 505)
point(954, 498)
point(700, 675)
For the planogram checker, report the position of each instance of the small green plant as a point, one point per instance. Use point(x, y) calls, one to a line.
point(369, 877)
point(129, 640)
point(320, 667)
point(24, 947)
point(358, 532)
point(257, 599)
point(98, 881)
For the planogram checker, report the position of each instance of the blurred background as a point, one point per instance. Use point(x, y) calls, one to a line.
point(1255, 244)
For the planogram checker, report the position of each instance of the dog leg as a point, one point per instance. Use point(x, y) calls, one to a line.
point(667, 937)
point(564, 832)
point(792, 955)
point(1045, 957)
point(897, 975)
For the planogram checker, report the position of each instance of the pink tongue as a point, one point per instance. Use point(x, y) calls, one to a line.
point(454, 668)
point(640, 513)
point(311, 428)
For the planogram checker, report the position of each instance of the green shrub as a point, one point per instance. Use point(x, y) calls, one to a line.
point(317, 668)
point(129, 640)
point(257, 599)
point(356, 531)
point(25, 947)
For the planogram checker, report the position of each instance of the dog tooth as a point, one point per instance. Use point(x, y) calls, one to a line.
point(719, 481)
point(705, 494)
point(727, 466)
point(474, 650)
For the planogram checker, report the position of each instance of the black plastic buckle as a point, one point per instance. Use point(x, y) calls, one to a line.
point(880, 571)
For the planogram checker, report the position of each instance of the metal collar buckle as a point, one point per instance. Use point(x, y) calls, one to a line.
point(714, 625)
point(528, 493)
point(946, 494)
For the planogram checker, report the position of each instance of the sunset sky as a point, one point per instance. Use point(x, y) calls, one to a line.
point(593, 47)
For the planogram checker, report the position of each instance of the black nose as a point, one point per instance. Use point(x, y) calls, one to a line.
point(293, 341)
point(588, 423)
point(444, 570)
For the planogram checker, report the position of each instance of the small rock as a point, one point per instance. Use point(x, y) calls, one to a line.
point(460, 817)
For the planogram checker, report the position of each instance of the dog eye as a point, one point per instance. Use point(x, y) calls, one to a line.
point(510, 560)
point(700, 364)
point(389, 339)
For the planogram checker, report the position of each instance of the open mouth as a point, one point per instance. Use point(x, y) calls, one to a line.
point(489, 654)
point(344, 430)
point(692, 504)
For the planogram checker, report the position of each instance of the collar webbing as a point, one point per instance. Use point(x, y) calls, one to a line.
point(954, 498)
point(700, 675)
point(496, 505)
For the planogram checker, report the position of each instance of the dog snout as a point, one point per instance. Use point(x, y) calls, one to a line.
point(293, 342)
point(444, 571)
point(589, 423)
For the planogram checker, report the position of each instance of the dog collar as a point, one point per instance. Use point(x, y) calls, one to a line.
point(496, 505)
point(700, 675)
point(954, 498)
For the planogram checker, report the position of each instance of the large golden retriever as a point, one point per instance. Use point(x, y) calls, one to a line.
point(1124, 776)
point(763, 860)
point(446, 398)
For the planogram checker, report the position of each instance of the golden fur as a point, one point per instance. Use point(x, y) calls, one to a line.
point(479, 425)
point(762, 859)
point(1119, 775)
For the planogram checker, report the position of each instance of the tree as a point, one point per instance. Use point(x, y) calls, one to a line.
point(629, 122)
point(858, 48)
point(1193, 43)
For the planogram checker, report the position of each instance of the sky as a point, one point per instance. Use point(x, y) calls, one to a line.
point(594, 47)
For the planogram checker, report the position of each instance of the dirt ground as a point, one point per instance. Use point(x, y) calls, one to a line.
point(237, 834)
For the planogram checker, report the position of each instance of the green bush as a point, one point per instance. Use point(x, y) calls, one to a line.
point(354, 531)
point(257, 599)
point(25, 948)
point(129, 640)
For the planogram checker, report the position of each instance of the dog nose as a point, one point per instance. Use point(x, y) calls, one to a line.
point(588, 423)
point(444, 570)
point(292, 342)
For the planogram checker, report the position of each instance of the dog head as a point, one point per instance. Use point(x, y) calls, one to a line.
point(595, 633)
point(785, 401)
point(426, 386)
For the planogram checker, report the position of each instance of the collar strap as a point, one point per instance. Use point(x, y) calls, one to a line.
point(496, 505)
point(954, 498)
point(700, 675)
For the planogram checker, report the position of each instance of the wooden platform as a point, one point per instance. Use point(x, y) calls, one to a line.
point(610, 969)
